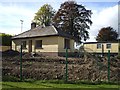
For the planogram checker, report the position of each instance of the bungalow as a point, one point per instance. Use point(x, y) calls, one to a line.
point(102, 47)
point(44, 40)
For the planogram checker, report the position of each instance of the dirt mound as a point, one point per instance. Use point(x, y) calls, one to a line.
point(87, 68)
point(10, 53)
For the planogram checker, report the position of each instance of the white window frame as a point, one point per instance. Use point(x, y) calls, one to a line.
point(107, 46)
point(99, 45)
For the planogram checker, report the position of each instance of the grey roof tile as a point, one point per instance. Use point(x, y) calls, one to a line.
point(40, 32)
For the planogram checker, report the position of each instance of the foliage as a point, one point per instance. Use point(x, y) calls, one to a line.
point(107, 34)
point(44, 15)
point(73, 19)
point(6, 39)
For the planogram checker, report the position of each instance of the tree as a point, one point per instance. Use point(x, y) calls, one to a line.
point(73, 19)
point(107, 34)
point(44, 15)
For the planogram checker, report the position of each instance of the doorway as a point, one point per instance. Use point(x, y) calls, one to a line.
point(30, 46)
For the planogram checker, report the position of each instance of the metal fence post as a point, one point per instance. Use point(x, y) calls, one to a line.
point(108, 65)
point(21, 63)
point(118, 47)
point(66, 74)
point(102, 50)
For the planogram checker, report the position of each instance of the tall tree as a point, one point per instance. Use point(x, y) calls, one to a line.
point(44, 15)
point(74, 19)
point(107, 34)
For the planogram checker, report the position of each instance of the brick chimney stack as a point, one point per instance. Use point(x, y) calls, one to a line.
point(33, 25)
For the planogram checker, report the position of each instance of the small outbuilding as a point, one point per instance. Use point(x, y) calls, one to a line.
point(102, 47)
point(44, 40)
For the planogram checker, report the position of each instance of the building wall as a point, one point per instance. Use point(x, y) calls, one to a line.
point(49, 44)
point(4, 48)
point(61, 45)
point(16, 45)
point(93, 48)
point(62, 50)
point(90, 47)
point(114, 48)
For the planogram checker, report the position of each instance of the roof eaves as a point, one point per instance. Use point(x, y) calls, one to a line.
point(34, 37)
point(100, 42)
point(55, 29)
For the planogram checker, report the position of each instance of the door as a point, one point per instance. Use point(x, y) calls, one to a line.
point(30, 46)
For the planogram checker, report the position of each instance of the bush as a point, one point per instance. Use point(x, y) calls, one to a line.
point(6, 39)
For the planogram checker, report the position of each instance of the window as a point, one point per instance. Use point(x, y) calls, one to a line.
point(108, 46)
point(24, 44)
point(38, 44)
point(99, 46)
point(67, 43)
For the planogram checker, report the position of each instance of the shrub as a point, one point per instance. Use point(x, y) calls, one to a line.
point(6, 39)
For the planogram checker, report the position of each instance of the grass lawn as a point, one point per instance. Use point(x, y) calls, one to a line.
point(41, 84)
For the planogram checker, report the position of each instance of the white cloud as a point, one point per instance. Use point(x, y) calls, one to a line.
point(10, 16)
point(106, 17)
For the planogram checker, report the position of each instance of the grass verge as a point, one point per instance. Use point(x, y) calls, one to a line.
point(14, 83)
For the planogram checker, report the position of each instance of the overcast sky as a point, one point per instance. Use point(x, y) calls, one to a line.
point(105, 13)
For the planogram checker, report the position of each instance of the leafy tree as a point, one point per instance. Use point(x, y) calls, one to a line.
point(107, 34)
point(44, 15)
point(73, 19)
point(6, 39)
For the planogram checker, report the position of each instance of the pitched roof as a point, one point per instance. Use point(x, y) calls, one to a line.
point(41, 32)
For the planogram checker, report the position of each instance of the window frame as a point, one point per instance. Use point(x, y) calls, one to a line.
point(24, 44)
point(66, 43)
point(107, 46)
point(38, 42)
point(99, 47)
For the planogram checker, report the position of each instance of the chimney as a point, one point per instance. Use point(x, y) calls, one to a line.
point(33, 25)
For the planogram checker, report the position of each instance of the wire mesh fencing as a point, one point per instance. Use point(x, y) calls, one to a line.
point(88, 67)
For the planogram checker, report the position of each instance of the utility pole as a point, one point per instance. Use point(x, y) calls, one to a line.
point(21, 25)
point(21, 53)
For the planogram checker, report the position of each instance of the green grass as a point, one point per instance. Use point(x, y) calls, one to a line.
point(47, 84)
point(10, 83)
